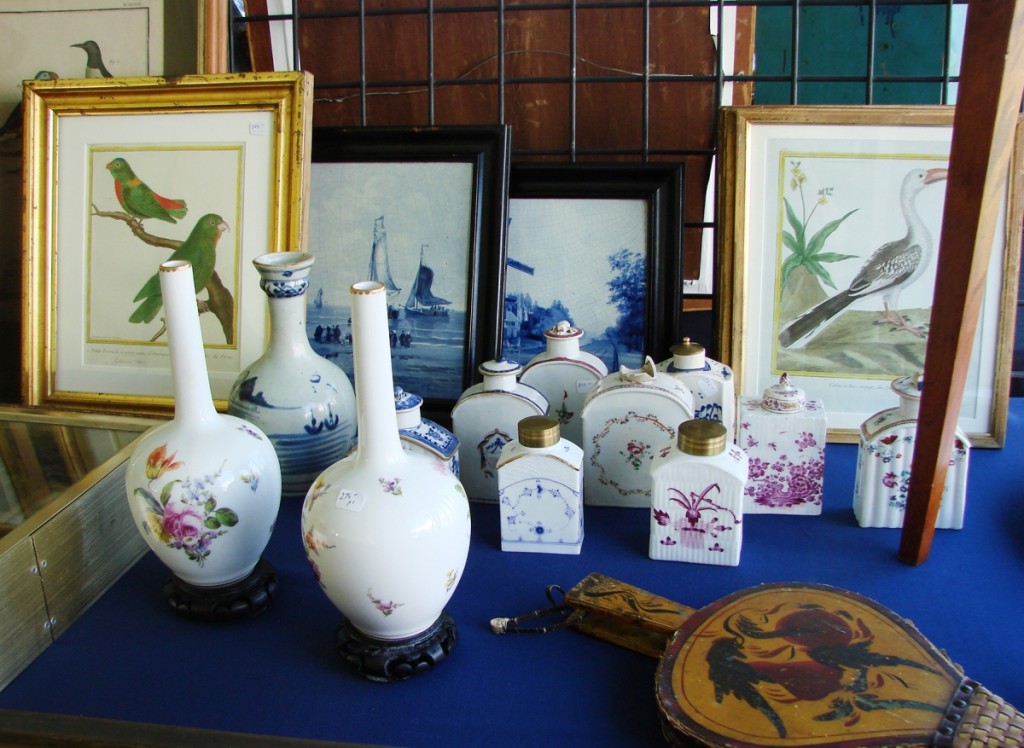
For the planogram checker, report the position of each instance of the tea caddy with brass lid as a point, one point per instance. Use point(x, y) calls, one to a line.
point(697, 497)
point(540, 490)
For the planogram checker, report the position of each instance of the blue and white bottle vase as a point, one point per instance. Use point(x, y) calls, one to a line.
point(304, 402)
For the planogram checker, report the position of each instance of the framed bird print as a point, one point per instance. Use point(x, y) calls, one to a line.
point(124, 174)
point(830, 221)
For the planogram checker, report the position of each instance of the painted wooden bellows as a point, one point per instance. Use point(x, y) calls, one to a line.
point(792, 665)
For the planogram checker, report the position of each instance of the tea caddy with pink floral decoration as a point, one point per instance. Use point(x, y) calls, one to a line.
point(629, 418)
point(883, 465)
point(485, 419)
point(697, 497)
point(204, 489)
point(711, 382)
point(565, 374)
point(783, 433)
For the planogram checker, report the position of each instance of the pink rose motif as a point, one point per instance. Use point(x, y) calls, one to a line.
point(183, 522)
point(889, 480)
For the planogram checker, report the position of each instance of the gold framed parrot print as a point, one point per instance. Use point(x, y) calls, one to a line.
point(830, 222)
point(120, 175)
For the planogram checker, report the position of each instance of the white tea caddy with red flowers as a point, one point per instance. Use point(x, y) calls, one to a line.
point(883, 465)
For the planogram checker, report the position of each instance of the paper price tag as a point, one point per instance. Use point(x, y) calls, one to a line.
point(584, 386)
point(353, 501)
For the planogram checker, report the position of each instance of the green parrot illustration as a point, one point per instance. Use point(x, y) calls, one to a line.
point(199, 249)
point(138, 199)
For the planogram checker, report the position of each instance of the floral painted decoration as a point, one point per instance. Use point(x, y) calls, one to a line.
point(184, 514)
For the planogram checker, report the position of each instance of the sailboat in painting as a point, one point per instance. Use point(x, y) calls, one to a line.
point(380, 268)
point(422, 300)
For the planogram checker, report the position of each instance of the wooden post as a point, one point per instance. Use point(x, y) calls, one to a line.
point(988, 101)
point(213, 36)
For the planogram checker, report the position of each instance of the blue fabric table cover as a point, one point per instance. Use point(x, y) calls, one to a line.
point(130, 658)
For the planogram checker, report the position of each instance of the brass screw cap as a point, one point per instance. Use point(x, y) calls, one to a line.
point(539, 431)
point(700, 437)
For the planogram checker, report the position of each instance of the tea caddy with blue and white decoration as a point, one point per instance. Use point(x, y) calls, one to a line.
point(540, 490)
point(711, 382)
point(883, 465)
point(485, 418)
point(422, 435)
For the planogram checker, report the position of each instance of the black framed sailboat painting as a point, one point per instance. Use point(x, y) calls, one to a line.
point(422, 210)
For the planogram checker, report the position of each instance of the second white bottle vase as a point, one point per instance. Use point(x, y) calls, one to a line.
point(386, 531)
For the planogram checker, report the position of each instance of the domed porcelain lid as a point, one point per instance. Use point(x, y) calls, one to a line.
point(405, 401)
point(563, 331)
point(784, 397)
point(501, 367)
point(909, 387)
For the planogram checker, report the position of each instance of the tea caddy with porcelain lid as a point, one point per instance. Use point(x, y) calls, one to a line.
point(628, 418)
point(485, 419)
point(419, 434)
point(711, 382)
point(783, 433)
point(565, 374)
point(884, 457)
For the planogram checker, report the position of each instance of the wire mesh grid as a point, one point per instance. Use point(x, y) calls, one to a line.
point(632, 80)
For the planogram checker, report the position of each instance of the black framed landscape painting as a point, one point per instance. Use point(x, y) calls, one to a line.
point(422, 211)
point(600, 246)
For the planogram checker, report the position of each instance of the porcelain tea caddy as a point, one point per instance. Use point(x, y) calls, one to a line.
point(783, 433)
point(883, 465)
point(697, 497)
point(711, 382)
point(485, 418)
point(422, 435)
point(540, 490)
point(564, 374)
point(629, 417)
